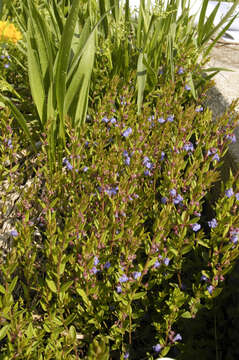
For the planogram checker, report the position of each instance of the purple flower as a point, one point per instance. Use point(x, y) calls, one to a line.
point(162, 155)
point(118, 289)
point(164, 200)
point(188, 146)
point(199, 108)
point(68, 164)
point(113, 120)
point(234, 235)
point(127, 132)
point(150, 118)
point(9, 143)
point(85, 168)
point(112, 191)
point(14, 233)
point(178, 199)
point(94, 270)
point(216, 157)
point(211, 151)
point(195, 227)
point(147, 172)
point(237, 196)
point(157, 264)
point(213, 223)
point(7, 66)
point(161, 120)
point(178, 337)
point(187, 87)
point(204, 278)
point(210, 289)
point(180, 70)
point(127, 160)
point(107, 265)
point(157, 348)
point(96, 260)
point(105, 119)
point(123, 278)
point(229, 193)
point(126, 355)
point(231, 137)
point(170, 118)
point(166, 261)
point(173, 192)
point(136, 275)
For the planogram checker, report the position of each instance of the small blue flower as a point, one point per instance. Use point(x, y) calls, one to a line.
point(150, 118)
point(204, 278)
point(180, 70)
point(216, 157)
point(164, 200)
point(162, 155)
point(195, 227)
point(210, 289)
point(68, 164)
point(14, 233)
point(85, 168)
point(229, 193)
point(123, 278)
point(213, 223)
point(161, 120)
point(231, 137)
point(118, 289)
point(187, 87)
point(127, 161)
point(237, 196)
point(157, 264)
point(112, 191)
point(146, 172)
point(234, 235)
point(136, 275)
point(94, 270)
point(157, 348)
point(127, 132)
point(113, 120)
point(126, 355)
point(199, 108)
point(7, 66)
point(107, 265)
point(178, 337)
point(178, 199)
point(96, 260)
point(170, 118)
point(173, 192)
point(166, 261)
point(105, 119)
point(188, 146)
point(9, 143)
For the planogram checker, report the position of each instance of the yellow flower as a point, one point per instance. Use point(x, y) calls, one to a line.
point(8, 32)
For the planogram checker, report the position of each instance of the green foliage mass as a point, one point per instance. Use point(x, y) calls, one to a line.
point(116, 236)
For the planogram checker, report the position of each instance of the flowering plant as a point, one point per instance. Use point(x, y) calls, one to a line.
point(9, 33)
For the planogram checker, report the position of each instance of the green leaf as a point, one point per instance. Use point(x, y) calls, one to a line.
point(20, 119)
point(65, 286)
point(52, 286)
point(141, 81)
point(13, 284)
point(3, 331)
point(63, 62)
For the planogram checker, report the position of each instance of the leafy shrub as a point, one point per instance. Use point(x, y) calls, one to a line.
point(110, 253)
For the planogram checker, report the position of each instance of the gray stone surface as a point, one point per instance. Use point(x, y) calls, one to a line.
point(226, 90)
